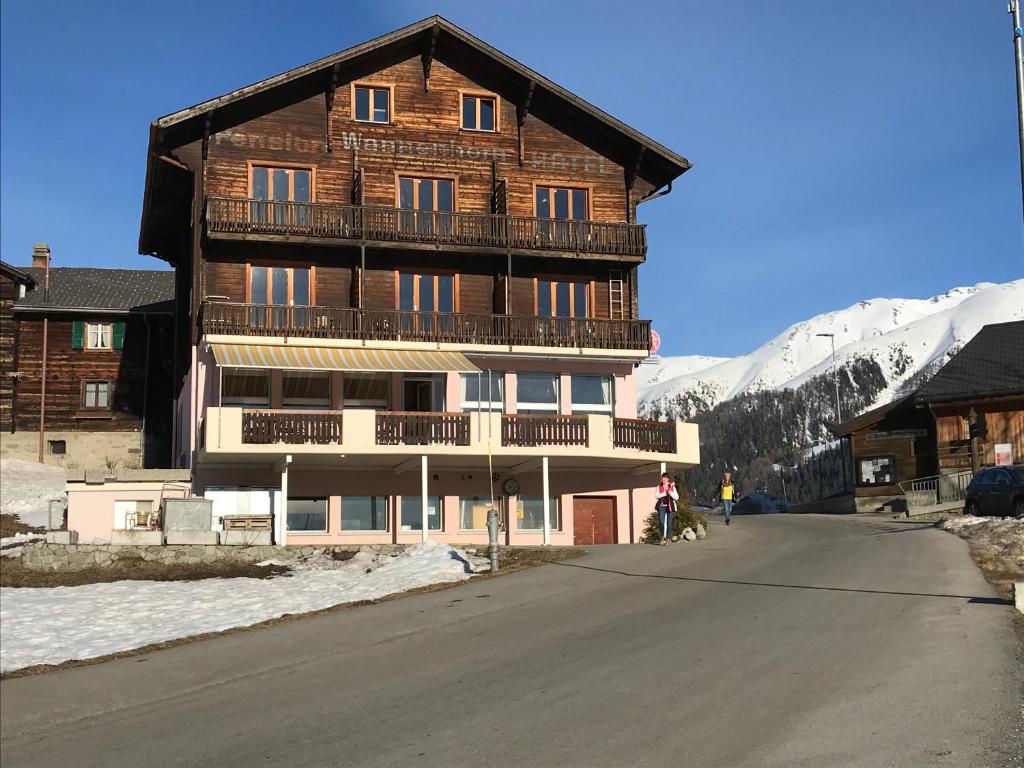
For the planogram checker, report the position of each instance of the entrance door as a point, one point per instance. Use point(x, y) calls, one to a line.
point(593, 520)
point(424, 393)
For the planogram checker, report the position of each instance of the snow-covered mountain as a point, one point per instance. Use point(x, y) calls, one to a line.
point(904, 336)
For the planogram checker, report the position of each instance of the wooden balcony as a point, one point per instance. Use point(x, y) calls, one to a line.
point(265, 427)
point(247, 218)
point(418, 428)
point(531, 430)
point(395, 325)
point(644, 435)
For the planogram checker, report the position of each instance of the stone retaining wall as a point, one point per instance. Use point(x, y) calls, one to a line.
point(77, 557)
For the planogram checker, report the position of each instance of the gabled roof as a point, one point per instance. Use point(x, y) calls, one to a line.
point(990, 365)
point(434, 36)
point(869, 418)
point(100, 290)
point(16, 275)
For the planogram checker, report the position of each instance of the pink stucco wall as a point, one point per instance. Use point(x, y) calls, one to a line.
point(91, 512)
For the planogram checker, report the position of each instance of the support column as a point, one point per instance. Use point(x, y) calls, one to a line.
point(281, 519)
point(424, 517)
point(664, 469)
point(547, 500)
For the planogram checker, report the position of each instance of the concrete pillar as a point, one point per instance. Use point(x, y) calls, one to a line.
point(281, 519)
point(424, 517)
point(547, 500)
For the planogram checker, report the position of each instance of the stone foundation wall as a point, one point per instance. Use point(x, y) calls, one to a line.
point(85, 450)
point(78, 557)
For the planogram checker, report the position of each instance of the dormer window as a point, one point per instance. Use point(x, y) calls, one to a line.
point(372, 104)
point(479, 113)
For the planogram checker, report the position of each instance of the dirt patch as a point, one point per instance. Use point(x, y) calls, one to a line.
point(10, 525)
point(14, 574)
point(996, 545)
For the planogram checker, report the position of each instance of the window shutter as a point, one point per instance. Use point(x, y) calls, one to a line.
point(78, 334)
point(118, 342)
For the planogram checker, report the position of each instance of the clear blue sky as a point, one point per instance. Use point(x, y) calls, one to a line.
point(841, 150)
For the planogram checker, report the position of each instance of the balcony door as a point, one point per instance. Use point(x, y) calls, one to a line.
point(563, 205)
point(426, 205)
point(282, 291)
point(424, 393)
point(425, 298)
point(275, 192)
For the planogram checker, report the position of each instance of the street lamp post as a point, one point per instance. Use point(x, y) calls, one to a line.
point(1018, 56)
point(835, 373)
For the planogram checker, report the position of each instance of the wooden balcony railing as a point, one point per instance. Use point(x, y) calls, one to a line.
point(291, 427)
point(246, 216)
point(417, 428)
point(528, 430)
point(643, 435)
point(395, 325)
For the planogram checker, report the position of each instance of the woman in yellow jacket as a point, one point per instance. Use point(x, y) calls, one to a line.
point(726, 494)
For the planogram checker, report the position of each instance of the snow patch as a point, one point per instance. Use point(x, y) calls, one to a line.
point(53, 625)
point(26, 489)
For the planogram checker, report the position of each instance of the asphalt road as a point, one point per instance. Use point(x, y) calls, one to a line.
point(780, 641)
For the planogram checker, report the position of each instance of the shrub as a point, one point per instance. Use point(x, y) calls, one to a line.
point(685, 517)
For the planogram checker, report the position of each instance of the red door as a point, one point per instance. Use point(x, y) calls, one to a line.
point(593, 520)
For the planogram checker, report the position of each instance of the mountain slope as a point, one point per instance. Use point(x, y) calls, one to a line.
point(903, 336)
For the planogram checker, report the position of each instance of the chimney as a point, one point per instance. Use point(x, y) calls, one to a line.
point(41, 255)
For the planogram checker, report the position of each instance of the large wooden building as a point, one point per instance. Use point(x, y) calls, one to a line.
point(101, 340)
point(416, 254)
point(14, 283)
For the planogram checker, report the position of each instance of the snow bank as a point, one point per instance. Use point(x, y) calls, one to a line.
point(12, 546)
point(52, 625)
point(26, 488)
point(957, 524)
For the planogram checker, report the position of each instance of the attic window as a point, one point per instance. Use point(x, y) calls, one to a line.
point(372, 104)
point(479, 113)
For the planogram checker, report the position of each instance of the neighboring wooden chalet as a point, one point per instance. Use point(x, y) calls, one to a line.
point(14, 283)
point(101, 339)
point(952, 425)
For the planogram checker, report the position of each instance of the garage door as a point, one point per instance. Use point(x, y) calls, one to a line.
point(593, 520)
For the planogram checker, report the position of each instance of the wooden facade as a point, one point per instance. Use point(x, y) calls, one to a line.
point(12, 284)
point(997, 420)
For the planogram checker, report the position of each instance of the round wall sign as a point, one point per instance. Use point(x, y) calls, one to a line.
point(511, 487)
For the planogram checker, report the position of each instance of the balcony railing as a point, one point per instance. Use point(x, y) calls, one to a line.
point(643, 435)
point(291, 427)
point(417, 428)
point(240, 215)
point(395, 325)
point(529, 430)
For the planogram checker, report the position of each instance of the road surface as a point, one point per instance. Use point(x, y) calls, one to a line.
point(780, 641)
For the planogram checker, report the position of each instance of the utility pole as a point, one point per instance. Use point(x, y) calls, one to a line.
point(1018, 57)
point(835, 373)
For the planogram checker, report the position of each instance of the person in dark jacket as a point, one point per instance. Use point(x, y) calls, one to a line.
point(666, 497)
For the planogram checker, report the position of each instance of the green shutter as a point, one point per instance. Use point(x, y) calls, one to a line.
point(78, 335)
point(118, 335)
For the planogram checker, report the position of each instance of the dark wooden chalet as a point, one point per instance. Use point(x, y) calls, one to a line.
point(14, 283)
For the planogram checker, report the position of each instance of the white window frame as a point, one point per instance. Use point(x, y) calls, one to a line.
point(306, 531)
point(556, 514)
point(104, 338)
point(487, 406)
point(525, 405)
point(594, 408)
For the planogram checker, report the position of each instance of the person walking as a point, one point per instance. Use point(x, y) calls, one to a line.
point(666, 496)
point(726, 494)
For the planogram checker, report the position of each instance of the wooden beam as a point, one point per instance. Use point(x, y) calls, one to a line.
point(427, 57)
point(329, 105)
point(522, 110)
point(631, 176)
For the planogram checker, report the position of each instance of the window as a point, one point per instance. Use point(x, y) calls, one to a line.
point(562, 203)
point(366, 390)
point(99, 335)
point(282, 184)
point(412, 513)
point(561, 298)
point(280, 285)
point(306, 389)
point(473, 384)
point(592, 394)
point(426, 293)
point(473, 513)
point(364, 513)
point(58, 447)
point(424, 392)
point(96, 394)
point(876, 470)
point(307, 515)
point(242, 386)
point(427, 205)
point(537, 393)
point(372, 104)
point(479, 113)
point(530, 513)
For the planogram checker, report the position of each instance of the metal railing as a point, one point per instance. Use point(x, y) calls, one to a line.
point(396, 325)
point(644, 435)
point(242, 215)
point(291, 427)
point(529, 430)
point(419, 428)
point(936, 493)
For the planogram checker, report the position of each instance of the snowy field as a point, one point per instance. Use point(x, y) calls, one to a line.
point(26, 489)
point(53, 625)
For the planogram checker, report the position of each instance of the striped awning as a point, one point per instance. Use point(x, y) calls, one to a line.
point(333, 359)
